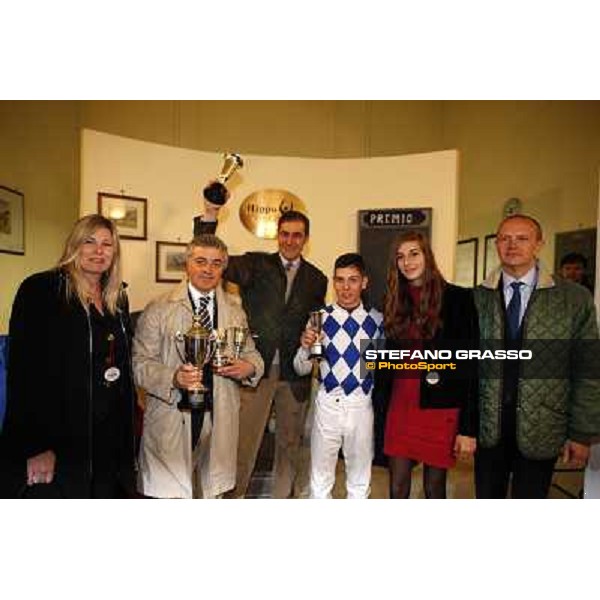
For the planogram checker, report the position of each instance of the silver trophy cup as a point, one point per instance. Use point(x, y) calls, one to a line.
point(221, 355)
point(316, 324)
point(237, 338)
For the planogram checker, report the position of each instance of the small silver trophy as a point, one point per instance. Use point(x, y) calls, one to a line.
point(216, 192)
point(316, 324)
point(221, 356)
point(237, 337)
point(199, 345)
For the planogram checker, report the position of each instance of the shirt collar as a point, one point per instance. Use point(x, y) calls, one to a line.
point(355, 309)
point(284, 261)
point(529, 279)
point(196, 294)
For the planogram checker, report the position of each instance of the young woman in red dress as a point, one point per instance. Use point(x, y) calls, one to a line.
point(431, 418)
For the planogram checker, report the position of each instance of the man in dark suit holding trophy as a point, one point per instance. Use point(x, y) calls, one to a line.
point(278, 292)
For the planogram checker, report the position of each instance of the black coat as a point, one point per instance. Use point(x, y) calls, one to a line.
point(459, 330)
point(262, 282)
point(50, 389)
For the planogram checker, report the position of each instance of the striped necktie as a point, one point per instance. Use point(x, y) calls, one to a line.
point(202, 308)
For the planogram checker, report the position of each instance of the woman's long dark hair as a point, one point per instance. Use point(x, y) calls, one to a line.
point(399, 310)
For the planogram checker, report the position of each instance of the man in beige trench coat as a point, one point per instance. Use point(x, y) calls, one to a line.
point(169, 466)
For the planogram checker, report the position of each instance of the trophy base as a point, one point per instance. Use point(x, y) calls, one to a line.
point(192, 403)
point(215, 193)
point(220, 362)
point(187, 406)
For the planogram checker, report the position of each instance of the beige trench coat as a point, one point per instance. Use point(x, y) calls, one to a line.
point(166, 463)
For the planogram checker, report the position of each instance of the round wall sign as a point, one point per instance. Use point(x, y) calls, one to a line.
point(261, 210)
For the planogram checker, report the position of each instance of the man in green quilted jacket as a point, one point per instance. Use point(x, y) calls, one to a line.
point(530, 415)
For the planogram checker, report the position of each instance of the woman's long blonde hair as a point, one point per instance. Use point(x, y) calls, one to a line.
point(111, 281)
point(399, 312)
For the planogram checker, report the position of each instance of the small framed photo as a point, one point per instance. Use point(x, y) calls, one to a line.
point(490, 255)
point(12, 221)
point(128, 212)
point(466, 262)
point(170, 261)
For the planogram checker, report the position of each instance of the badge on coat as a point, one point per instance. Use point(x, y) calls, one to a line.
point(112, 374)
point(432, 378)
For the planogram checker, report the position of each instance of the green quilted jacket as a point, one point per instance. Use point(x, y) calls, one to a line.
point(549, 411)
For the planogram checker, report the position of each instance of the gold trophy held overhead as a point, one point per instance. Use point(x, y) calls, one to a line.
point(216, 192)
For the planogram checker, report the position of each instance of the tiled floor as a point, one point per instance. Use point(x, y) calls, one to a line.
point(460, 483)
point(460, 480)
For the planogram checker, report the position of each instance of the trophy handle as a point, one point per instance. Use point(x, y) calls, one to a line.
point(179, 338)
point(212, 346)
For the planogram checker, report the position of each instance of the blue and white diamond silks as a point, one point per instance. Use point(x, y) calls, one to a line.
point(343, 333)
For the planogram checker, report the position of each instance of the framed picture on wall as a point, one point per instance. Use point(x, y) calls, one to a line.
point(170, 261)
point(12, 221)
point(490, 256)
point(128, 212)
point(466, 262)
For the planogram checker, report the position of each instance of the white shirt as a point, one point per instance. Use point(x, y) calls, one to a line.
point(285, 261)
point(196, 295)
point(529, 281)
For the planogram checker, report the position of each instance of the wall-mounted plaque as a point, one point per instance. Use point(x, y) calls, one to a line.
point(261, 210)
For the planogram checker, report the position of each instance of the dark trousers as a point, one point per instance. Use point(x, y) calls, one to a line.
point(494, 467)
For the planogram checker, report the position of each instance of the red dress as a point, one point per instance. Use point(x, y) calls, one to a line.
point(426, 435)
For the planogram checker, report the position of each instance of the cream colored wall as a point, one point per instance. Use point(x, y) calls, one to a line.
point(333, 191)
point(544, 152)
point(39, 156)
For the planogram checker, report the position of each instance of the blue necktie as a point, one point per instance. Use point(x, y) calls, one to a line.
point(513, 310)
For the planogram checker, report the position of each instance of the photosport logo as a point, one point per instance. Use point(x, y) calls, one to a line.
point(459, 359)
